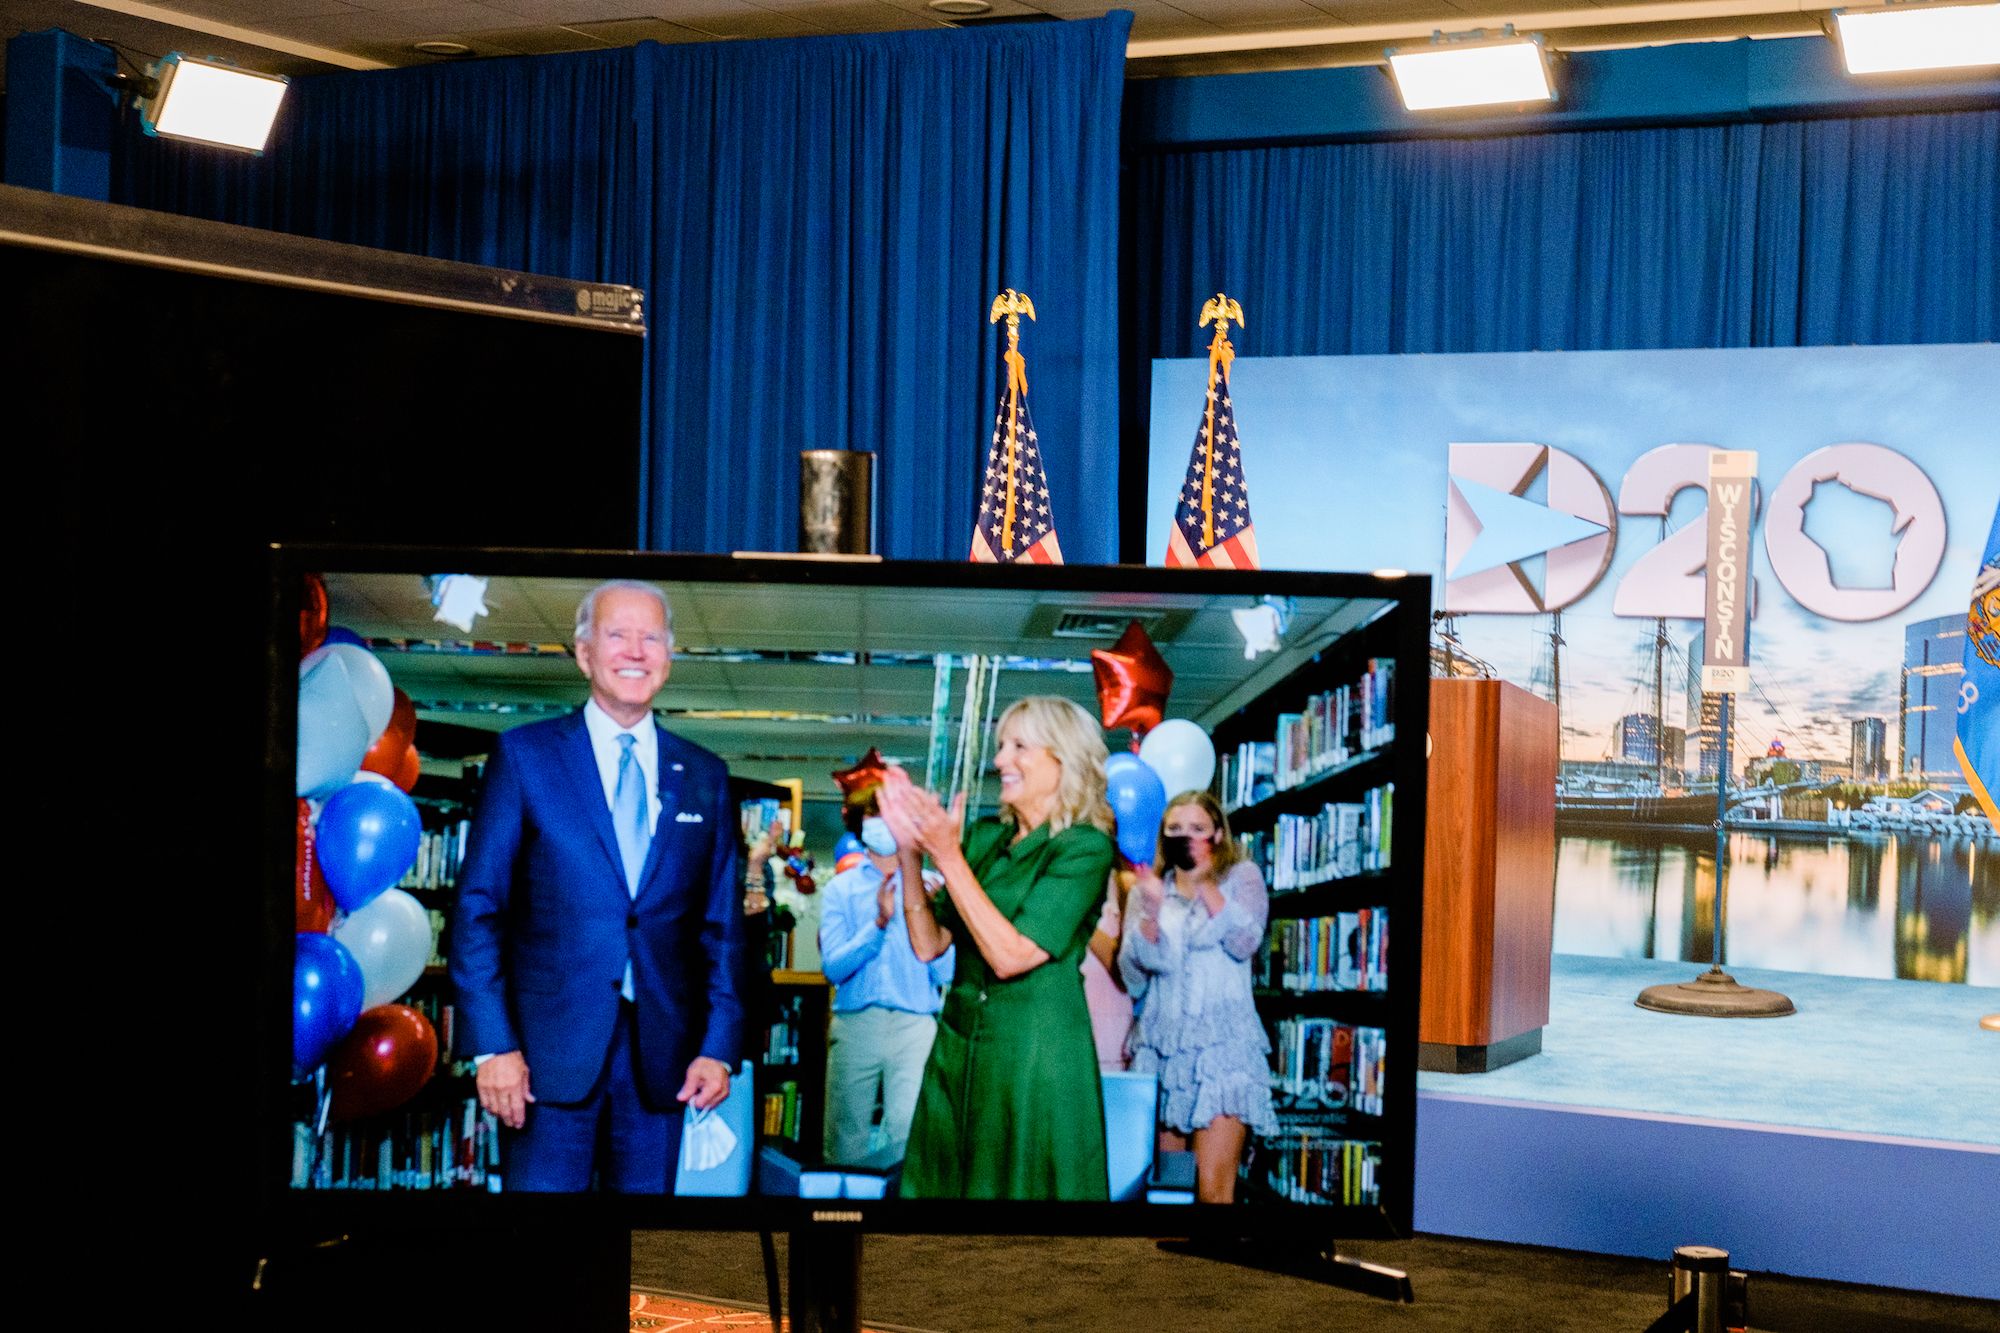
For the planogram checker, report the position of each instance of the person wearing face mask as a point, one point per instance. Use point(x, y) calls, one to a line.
point(885, 1004)
point(1012, 1106)
point(1197, 917)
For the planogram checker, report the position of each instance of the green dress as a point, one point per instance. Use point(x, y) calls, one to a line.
point(1011, 1106)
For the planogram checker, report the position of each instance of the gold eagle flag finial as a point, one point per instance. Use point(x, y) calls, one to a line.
point(1013, 305)
point(1219, 310)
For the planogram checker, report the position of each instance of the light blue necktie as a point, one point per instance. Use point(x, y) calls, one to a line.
point(628, 818)
point(628, 812)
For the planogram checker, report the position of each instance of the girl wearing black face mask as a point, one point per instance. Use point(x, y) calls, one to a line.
point(1197, 917)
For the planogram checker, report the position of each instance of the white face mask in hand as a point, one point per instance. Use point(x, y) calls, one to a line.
point(707, 1141)
point(876, 837)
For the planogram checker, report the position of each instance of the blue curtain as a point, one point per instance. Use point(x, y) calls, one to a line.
point(819, 226)
point(1880, 229)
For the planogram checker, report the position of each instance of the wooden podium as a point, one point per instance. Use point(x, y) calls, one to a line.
point(1489, 876)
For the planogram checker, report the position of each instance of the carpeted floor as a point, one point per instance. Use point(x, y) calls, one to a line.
point(1000, 1284)
point(676, 1312)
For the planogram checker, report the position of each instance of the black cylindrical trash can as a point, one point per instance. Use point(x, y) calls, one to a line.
point(1704, 1271)
point(836, 502)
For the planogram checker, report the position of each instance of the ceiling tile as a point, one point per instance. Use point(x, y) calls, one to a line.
point(562, 12)
point(542, 41)
point(628, 32)
point(849, 16)
point(257, 15)
point(1238, 13)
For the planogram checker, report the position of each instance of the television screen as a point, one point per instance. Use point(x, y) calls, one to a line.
point(959, 897)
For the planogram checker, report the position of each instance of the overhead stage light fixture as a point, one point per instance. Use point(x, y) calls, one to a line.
point(1892, 39)
point(210, 101)
point(1472, 69)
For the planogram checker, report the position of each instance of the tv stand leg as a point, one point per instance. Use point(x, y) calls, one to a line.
point(1324, 1266)
point(824, 1268)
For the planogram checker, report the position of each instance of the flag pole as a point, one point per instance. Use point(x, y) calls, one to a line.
point(1219, 310)
point(1013, 305)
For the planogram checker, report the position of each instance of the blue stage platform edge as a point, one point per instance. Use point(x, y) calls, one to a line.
point(1831, 1201)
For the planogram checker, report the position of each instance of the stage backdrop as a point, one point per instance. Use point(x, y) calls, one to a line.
point(1559, 500)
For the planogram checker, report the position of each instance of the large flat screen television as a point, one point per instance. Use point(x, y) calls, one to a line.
point(1258, 993)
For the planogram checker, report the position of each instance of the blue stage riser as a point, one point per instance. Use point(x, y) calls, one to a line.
point(1844, 1207)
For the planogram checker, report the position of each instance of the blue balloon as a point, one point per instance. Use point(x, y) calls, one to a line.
point(326, 998)
point(1138, 800)
point(366, 841)
point(845, 844)
point(342, 634)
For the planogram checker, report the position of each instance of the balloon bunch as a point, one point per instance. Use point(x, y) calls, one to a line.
point(798, 867)
point(360, 941)
point(1174, 755)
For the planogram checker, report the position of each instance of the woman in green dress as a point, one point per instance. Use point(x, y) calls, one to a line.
point(1011, 1106)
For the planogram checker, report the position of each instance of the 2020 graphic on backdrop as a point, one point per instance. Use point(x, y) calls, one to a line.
point(1532, 484)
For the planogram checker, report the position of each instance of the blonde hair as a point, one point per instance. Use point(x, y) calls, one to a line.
point(1227, 850)
point(1072, 736)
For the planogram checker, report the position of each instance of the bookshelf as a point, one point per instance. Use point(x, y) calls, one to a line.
point(792, 1008)
point(1306, 775)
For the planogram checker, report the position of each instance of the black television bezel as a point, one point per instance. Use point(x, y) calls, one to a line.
point(316, 1211)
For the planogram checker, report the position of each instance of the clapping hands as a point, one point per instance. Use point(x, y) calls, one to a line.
point(916, 816)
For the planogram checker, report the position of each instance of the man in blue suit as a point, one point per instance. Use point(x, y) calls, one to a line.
point(597, 949)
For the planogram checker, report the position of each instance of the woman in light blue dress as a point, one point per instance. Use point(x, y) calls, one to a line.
point(1196, 917)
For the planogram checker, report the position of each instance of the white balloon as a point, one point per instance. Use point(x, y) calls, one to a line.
point(1181, 753)
point(333, 730)
point(374, 694)
point(391, 939)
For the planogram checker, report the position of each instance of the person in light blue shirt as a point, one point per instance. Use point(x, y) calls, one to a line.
point(885, 1005)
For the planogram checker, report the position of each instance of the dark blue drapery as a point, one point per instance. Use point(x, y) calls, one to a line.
point(1876, 229)
point(819, 226)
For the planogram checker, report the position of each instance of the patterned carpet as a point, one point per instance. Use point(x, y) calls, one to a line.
point(672, 1312)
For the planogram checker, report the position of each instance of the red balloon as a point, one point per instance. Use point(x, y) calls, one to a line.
point(385, 1060)
point(406, 774)
point(312, 900)
point(1133, 681)
point(867, 772)
point(388, 754)
point(312, 615)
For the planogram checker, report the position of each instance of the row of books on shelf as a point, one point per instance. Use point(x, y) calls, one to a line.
point(440, 852)
point(1334, 727)
point(1318, 1063)
point(782, 1111)
point(455, 1148)
point(1346, 951)
point(756, 815)
point(1325, 1171)
point(781, 1043)
point(1340, 840)
point(443, 1015)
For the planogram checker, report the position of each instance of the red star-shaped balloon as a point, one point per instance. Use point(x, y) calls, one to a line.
point(865, 774)
point(1133, 681)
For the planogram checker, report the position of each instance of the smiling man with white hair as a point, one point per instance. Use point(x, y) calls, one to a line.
point(597, 948)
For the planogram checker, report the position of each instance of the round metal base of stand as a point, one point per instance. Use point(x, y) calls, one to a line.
point(1714, 994)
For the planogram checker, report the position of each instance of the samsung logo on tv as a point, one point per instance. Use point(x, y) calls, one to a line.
point(836, 1216)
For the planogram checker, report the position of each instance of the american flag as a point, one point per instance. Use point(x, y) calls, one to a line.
point(1015, 521)
point(1212, 513)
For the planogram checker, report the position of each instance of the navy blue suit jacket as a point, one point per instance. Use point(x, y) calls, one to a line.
point(544, 923)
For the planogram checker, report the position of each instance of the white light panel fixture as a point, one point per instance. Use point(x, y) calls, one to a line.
point(1901, 38)
point(206, 101)
point(1453, 72)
